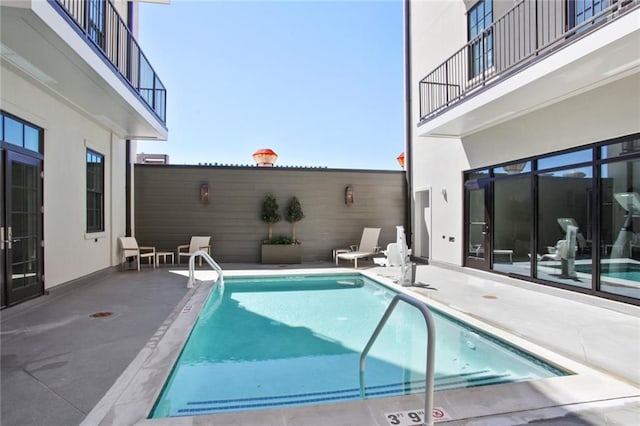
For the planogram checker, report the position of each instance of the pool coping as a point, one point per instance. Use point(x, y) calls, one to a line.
point(134, 393)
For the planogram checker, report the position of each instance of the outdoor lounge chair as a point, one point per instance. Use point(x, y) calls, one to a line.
point(197, 243)
point(367, 248)
point(129, 248)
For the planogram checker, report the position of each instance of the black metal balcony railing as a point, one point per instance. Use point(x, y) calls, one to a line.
point(527, 32)
point(104, 27)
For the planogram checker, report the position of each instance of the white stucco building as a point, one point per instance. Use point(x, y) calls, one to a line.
point(525, 118)
point(76, 91)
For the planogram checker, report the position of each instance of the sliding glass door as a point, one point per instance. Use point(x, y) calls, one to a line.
point(569, 219)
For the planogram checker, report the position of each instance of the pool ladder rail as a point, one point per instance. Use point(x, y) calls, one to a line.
point(192, 265)
point(431, 350)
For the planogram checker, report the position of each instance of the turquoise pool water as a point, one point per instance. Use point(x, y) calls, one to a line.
point(620, 270)
point(624, 271)
point(295, 340)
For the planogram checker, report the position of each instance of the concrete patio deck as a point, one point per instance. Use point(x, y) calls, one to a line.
point(58, 361)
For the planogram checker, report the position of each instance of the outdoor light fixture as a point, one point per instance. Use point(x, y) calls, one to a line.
point(265, 157)
point(204, 193)
point(401, 160)
point(348, 195)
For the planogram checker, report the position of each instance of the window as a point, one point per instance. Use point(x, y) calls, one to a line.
point(95, 191)
point(619, 268)
point(96, 11)
point(480, 18)
point(19, 133)
point(569, 218)
point(583, 10)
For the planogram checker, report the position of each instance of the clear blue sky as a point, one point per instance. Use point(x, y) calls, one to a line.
point(320, 83)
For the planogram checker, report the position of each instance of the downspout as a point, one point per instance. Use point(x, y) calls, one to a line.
point(127, 190)
point(408, 125)
point(128, 166)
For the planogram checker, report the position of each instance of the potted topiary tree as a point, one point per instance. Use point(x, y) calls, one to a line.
point(270, 214)
point(280, 249)
point(293, 216)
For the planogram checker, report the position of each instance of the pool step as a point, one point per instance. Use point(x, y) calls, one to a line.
point(471, 379)
point(476, 378)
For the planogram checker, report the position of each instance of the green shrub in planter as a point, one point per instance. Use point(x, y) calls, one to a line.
point(280, 241)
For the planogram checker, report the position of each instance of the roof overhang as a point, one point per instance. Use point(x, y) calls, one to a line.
point(41, 45)
point(608, 54)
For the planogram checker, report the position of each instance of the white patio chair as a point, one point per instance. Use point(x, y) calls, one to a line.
point(129, 248)
point(197, 243)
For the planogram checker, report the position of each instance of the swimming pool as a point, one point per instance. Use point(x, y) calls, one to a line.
point(294, 340)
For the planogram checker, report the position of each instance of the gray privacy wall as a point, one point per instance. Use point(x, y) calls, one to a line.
point(168, 210)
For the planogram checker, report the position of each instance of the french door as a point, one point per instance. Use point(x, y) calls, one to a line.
point(21, 227)
point(477, 224)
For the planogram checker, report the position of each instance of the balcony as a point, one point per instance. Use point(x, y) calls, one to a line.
point(83, 51)
point(522, 62)
point(104, 27)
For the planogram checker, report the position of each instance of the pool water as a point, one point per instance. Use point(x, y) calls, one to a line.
point(279, 341)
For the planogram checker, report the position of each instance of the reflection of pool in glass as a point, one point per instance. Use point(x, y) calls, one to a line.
point(623, 271)
point(619, 270)
point(266, 342)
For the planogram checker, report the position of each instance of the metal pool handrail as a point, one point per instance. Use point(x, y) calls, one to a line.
point(192, 264)
point(431, 350)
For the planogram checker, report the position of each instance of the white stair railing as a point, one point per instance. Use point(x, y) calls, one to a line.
point(431, 351)
point(192, 264)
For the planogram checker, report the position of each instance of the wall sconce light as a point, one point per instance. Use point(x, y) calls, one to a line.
point(204, 193)
point(444, 193)
point(348, 195)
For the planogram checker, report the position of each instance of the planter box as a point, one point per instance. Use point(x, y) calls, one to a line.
point(281, 253)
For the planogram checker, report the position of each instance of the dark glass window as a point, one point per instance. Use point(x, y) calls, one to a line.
point(620, 230)
point(95, 191)
point(616, 150)
point(570, 219)
point(512, 218)
point(480, 18)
